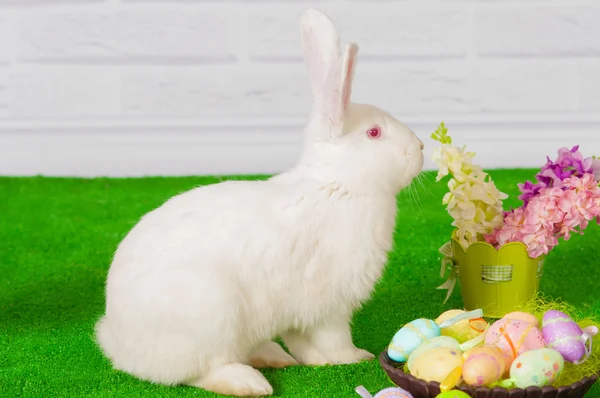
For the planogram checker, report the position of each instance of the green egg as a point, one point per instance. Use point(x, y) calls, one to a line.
point(453, 394)
point(536, 368)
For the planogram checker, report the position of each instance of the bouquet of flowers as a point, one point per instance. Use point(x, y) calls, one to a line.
point(563, 200)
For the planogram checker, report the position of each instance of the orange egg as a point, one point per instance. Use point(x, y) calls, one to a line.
point(483, 366)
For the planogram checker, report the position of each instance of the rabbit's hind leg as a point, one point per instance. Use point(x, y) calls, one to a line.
point(270, 355)
point(234, 379)
point(327, 344)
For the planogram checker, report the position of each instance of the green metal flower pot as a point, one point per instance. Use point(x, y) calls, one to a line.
point(495, 280)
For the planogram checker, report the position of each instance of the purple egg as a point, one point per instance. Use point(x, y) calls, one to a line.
point(564, 335)
point(390, 392)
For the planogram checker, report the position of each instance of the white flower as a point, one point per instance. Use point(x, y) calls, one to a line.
point(473, 200)
point(452, 160)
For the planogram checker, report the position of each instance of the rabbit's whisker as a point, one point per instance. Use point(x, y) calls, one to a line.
point(415, 196)
point(424, 187)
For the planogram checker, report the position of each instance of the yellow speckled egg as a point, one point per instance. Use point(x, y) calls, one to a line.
point(440, 341)
point(437, 364)
point(464, 330)
point(483, 366)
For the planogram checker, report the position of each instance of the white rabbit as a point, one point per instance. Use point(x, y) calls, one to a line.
point(201, 286)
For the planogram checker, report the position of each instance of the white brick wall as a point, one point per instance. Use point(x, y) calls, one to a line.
point(136, 87)
point(538, 30)
point(126, 34)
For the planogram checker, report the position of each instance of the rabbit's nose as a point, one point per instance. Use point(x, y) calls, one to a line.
point(421, 144)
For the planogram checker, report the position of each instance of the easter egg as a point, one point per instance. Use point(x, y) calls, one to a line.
point(453, 394)
point(440, 341)
point(391, 392)
point(463, 330)
point(514, 337)
point(538, 368)
point(410, 336)
point(564, 335)
point(522, 316)
point(483, 366)
point(437, 364)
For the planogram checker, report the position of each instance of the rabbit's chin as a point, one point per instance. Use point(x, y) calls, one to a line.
point(414, 170)
point(407, 168)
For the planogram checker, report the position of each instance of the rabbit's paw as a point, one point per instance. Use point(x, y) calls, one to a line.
point(304, 352)
point(311, 357)
point(234, 379)
point(349, 356)
point(329, 344)
point(271, 355)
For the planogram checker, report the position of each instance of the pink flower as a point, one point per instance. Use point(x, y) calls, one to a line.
point(585, 183)
point(564, 200)
point(570, 162)
point(567, 201)
point(511, 230)
point(551, 214)
point(508, 234)
point(583, 196)
point(588, 206)
point(581, 204)
point(543, 212)
point(492, 239)
point(596, 169)
point(538, 243)
point(570, 224)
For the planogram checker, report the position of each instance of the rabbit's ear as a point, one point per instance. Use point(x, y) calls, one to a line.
point(321, 50)
point(347, 75)
point(337, 100)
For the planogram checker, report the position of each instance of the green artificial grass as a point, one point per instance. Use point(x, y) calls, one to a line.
point(57, 237)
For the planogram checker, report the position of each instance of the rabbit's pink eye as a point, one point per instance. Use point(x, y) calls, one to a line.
point(374, 132)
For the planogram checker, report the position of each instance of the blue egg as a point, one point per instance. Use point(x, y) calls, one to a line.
point(410, 336)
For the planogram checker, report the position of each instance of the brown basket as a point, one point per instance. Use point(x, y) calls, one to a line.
point(422, 389)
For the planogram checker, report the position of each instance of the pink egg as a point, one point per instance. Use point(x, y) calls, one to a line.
point(514, 337)
point(522, 316)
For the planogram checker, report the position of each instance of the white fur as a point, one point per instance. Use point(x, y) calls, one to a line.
point(201, 286)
